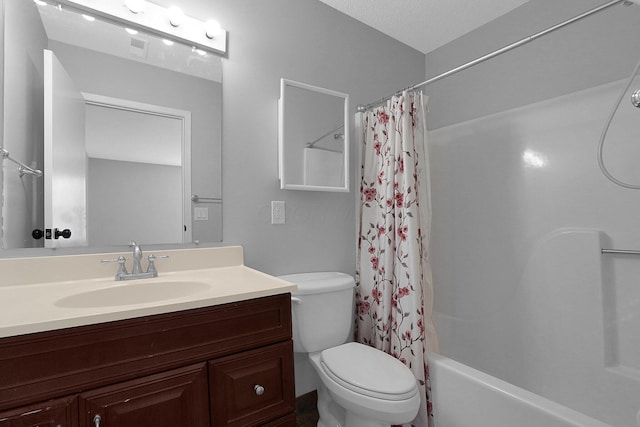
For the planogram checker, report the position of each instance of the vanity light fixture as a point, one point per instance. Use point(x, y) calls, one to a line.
point(212, 28)
point(88, 17)
point(167, 23)
point(167, 42)
point(135, 6)
point(175, 15)
point(131, 31)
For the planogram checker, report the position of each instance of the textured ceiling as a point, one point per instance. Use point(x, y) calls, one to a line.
point(424, 25)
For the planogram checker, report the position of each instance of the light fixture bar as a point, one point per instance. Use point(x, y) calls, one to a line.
point(154, 20)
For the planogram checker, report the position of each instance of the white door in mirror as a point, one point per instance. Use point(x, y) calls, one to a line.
point(65, 179)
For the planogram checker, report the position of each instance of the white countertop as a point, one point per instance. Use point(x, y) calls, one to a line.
point(30, 304)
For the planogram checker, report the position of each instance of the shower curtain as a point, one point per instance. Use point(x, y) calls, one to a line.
point(393, 277)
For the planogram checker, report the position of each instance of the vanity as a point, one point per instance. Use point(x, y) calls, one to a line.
point(89, 351)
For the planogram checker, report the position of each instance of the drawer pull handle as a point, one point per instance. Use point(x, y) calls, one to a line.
point(96, 421)
point(258, 389)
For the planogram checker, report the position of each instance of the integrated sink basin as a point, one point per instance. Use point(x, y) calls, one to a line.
point(132, 293)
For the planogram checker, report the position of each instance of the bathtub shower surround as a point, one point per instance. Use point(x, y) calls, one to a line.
point(394, 289)
point(522, 290)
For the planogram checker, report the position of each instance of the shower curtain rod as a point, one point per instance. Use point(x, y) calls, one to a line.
point(497, 52)
point(312, 143)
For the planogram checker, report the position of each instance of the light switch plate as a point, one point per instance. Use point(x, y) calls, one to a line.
point(277, 212)
point(200, 214)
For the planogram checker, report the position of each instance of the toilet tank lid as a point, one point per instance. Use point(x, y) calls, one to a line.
point(320, 282)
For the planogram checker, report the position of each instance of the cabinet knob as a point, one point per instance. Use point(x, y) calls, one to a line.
point(258, 389)
point(97, 421)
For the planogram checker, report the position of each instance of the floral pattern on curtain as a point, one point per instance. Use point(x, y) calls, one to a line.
point(393, 277)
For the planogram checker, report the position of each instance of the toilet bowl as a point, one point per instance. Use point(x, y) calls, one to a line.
point(374, 388)
point(360, 386)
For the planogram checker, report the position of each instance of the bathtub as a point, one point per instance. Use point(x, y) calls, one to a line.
point(465, 397)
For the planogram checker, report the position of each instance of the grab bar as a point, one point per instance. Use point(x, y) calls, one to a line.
point(620, 251)
point(197, 199)
point(22, 168)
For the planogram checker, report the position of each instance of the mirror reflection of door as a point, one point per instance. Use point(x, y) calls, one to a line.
point(65, 159)
point(137, 173)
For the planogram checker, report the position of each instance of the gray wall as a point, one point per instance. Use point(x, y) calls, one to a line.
point(598, 49)
point(124, 205)
point(306, 41)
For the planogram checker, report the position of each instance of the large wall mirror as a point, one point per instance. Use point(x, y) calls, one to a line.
point(313, 138)
point(125, 126)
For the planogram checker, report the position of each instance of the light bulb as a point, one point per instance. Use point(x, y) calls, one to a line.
point(131, 31)
point(135, 6)
point(89, 18)
point(40, 2)
point(167, 42)
point(176, 17)
point(212, 28)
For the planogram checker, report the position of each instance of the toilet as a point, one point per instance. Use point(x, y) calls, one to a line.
point(360, 386)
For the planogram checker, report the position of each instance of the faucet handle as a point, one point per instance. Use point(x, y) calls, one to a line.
point(152, 266)
point(122, 268)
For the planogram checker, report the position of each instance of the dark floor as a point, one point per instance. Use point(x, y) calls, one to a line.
point(306, 412)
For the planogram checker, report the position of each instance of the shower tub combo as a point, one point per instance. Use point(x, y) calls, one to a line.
point(521, 296)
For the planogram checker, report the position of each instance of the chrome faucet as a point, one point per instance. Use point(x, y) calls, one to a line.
point(137, 256)
point(136, 273)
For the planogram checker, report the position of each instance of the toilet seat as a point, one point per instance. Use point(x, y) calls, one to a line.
point(370, 372)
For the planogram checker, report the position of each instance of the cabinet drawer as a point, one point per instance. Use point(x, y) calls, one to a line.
point(53, 413)
point(252, 388)
point(175, 398)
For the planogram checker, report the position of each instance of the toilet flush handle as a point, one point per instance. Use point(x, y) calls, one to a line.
point(296, 300)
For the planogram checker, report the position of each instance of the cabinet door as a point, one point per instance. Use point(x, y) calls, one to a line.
point(54, 413)
point(252, 388)
point(170, 399)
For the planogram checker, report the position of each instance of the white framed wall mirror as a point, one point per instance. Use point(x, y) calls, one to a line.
point(313, 138)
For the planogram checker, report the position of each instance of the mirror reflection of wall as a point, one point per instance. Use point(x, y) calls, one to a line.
point(193, 83)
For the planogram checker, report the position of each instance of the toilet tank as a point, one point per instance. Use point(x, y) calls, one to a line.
point(322, 309)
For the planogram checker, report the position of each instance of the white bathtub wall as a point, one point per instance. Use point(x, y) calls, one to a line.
point(520, 214)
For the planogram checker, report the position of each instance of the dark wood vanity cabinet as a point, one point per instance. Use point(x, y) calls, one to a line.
point(225, 365)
